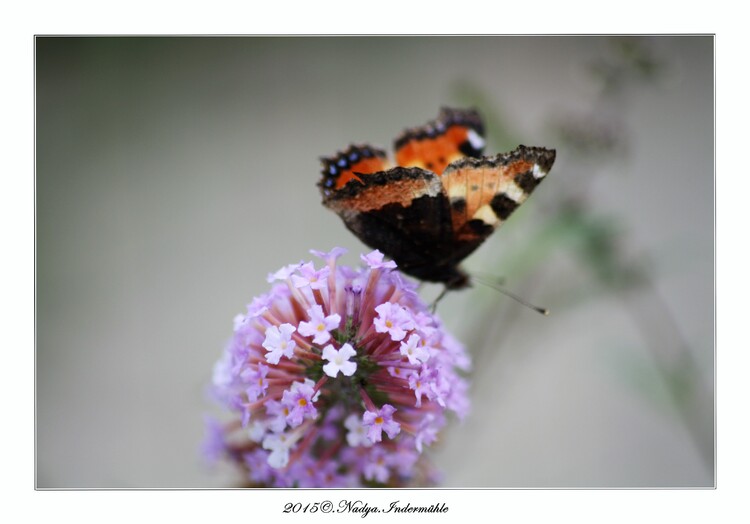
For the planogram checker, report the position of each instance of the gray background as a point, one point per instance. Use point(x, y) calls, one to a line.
point(173, 174)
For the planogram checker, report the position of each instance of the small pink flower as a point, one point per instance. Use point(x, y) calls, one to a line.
point(419, 381)
point(414, 350)
point(257, 379)
point(381, 420)
point(283, 273)
point(279, 343)
point(375, 261)
point(394, 320)
point(299, 400)
point(339, 360)
point(310, 277)
point(376, 466)
point(319, 326)
point(357, 433)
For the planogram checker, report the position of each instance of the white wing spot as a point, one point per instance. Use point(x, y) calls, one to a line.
point(486, 215)
point(476, 141)
point(515, 193)
point(457, 191)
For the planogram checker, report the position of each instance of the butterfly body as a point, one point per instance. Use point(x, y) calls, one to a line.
point(443, 200)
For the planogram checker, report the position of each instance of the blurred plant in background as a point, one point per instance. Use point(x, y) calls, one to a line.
point(587, 141)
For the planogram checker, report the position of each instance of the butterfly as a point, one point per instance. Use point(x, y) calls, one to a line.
point(440, 201)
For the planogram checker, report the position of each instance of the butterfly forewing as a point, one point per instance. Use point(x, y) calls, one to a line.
point(484, 192)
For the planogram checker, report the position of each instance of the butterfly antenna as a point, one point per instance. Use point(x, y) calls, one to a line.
point(488, 279)
point(492, 285)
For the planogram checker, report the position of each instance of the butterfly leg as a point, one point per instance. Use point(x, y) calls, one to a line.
point(439, 297)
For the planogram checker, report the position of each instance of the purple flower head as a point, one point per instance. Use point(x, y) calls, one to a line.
point(337, 377)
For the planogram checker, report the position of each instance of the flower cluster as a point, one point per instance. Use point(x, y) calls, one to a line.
point(337, 377)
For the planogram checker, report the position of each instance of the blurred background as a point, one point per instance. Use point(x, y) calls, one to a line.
point(172, 174)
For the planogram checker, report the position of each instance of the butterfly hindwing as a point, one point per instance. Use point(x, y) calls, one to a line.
point(456, 133)
point(350, 165)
